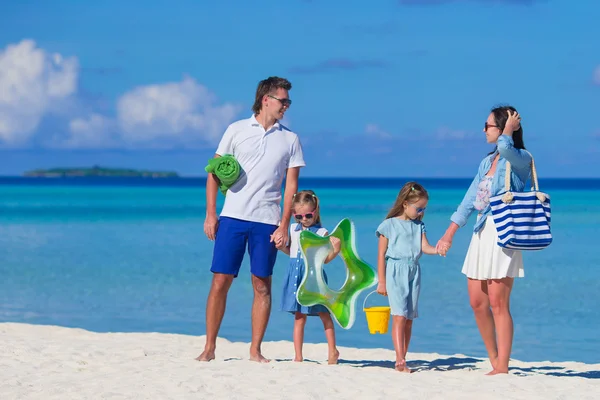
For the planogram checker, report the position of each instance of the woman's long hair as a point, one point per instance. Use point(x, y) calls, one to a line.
point(501, 116)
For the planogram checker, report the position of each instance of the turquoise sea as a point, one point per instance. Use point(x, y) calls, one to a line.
point(130, 255)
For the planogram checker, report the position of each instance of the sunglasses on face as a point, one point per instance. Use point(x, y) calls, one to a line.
point(309, 215)
point(284, 102)
point(419, 210)
point(486, 126)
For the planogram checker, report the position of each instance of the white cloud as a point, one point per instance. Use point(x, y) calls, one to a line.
point(183, 110)
point(375, 130)
point(160, 115)
point(597, 75)
point(32, 84)
point(452, 134)
point(93, 131)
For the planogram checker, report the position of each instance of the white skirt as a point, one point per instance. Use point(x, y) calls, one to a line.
point(486, 260)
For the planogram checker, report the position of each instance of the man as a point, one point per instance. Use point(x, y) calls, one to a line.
point(251, 215)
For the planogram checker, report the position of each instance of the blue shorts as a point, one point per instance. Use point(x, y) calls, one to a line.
point(230, 245)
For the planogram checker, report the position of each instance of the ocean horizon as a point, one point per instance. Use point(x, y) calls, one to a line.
point(130, 255)
point(580, 183)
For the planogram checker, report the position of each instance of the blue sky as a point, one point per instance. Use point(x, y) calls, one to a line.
point(383, 88)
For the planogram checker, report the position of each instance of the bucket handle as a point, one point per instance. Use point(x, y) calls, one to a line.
point(365, 301)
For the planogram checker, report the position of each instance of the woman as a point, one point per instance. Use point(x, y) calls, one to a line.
point(490, 269)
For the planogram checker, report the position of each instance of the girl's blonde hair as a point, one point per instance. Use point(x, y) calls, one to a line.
point(411, 192)
point(308, 197)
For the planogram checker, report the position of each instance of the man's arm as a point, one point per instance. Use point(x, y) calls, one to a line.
point(211, 221)
point(291, 188)
point(281, 234)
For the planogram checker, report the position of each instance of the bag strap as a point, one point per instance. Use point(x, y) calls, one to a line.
point(534, 177)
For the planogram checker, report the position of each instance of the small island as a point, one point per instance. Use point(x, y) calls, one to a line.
point(98, 171)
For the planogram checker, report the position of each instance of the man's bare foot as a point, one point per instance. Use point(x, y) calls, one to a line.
point(207, 355)
point(401, 367)
point(333, 358)
point(496, 372)
point(258, 358)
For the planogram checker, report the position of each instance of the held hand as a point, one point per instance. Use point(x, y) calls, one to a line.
point(211, 224)
point(443, 245)
point(280, 237)
point(381, 288)
point(336, 244)
point(513, 123)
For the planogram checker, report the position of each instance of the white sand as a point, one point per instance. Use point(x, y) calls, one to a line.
point(48, 362)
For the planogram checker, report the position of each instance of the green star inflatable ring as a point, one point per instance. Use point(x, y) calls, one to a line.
point(359, 275)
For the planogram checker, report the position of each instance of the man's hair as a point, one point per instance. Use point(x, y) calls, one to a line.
point(269, 86)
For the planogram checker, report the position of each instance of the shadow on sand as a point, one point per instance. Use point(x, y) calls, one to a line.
point(554, 371)
point(441, 364)
point(468, 363)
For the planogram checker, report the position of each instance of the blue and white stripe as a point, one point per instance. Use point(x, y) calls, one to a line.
point(524, 222)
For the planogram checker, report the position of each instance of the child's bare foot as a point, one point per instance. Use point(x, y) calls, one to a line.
point(401, 367)
point(333, 357)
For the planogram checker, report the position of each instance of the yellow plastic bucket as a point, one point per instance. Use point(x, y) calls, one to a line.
point(378, 318)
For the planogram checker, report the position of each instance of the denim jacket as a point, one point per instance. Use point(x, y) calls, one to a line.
point(520, 162)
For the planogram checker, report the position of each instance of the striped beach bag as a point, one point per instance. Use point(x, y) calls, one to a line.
point(522, 219)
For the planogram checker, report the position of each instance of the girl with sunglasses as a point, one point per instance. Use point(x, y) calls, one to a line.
point(306, 212)
point(402, 240)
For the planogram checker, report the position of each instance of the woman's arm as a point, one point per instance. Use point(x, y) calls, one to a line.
point(466, 206)
point(462, 213)
point(518, 158)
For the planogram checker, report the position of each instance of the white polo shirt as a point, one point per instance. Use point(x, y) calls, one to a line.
point(264, 157)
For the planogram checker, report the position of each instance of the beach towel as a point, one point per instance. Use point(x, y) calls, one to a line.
point(226, 169)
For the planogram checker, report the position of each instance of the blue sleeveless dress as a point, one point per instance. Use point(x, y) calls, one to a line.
point(295, 272)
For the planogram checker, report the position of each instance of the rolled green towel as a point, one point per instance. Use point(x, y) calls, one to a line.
point(227, 170)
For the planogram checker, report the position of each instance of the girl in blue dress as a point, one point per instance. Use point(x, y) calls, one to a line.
point(306, 212)
point(402, 240)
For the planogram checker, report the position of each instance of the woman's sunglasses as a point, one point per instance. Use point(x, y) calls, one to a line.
point(486, 126)
point(309, 215)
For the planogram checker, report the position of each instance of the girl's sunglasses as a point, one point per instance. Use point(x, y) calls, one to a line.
point(419, 210)
point(309, 215)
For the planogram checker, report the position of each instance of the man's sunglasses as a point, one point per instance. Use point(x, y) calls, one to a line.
point(284, 102)
point(309, 215)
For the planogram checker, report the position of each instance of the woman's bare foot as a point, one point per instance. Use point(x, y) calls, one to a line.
point(401, 367)
point(333, 357)
point(206, 355)
point(496, 372)
point(494, 361)
point(298, 359)
point(258, 357)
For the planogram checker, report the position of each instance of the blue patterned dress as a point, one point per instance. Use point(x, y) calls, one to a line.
point(295, 272)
